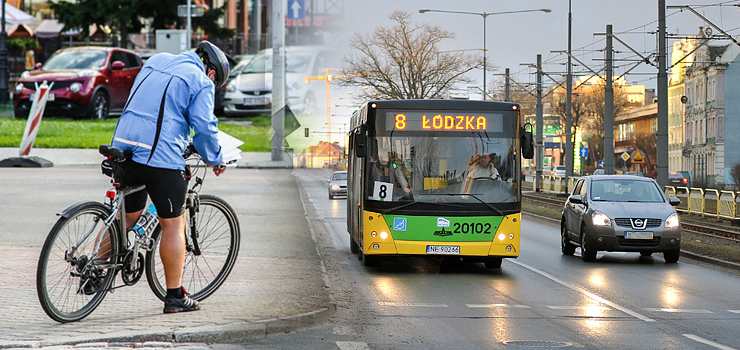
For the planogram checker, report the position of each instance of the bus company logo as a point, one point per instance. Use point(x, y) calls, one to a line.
point(442, 222)
point(443, 233)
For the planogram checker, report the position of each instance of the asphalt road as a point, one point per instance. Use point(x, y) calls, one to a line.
point(541, 299)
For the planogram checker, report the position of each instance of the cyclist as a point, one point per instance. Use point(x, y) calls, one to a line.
point(172, 95)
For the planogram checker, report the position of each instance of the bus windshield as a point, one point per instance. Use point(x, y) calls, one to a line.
point(469, 167)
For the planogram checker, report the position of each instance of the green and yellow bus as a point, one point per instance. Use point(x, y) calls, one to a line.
point(436, 178)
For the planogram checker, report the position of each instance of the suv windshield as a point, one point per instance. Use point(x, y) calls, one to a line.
point(76, 59)
point(443, 170)
point(625, 191)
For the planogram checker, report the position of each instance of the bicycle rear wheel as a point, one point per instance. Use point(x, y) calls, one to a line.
point(218, 240)
point(70, 281)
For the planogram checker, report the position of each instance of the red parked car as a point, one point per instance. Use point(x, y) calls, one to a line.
point(89, 82)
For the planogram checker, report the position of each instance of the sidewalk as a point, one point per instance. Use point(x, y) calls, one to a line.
point(278, 283)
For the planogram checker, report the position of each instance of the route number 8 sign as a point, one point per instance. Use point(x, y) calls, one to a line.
point(382, 191)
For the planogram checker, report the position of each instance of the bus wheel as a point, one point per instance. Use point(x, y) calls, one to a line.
point(493, 263)
point(353, 246)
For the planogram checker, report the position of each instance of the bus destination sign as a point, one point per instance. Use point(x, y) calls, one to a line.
point(443, 121)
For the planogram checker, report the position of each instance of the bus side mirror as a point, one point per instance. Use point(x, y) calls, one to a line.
point(360, 145)
point(527, 142)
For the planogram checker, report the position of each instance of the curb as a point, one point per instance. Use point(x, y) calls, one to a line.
point(226, 334)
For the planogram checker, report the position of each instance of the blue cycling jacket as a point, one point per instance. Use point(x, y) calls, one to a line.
point(171, 96)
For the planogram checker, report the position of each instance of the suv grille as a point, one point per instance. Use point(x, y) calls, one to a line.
point(623, 242)
point(626, 222)
point(57, 84)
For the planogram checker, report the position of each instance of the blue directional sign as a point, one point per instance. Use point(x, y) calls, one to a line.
point(296, 9)
point(584, 152)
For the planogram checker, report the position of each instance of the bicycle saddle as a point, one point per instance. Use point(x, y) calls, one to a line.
point(114, 153)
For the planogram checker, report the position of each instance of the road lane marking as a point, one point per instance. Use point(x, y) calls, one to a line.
point(575, 307)
point(707, 342)
point(734, 311)
point(687, 311)
point(388, 303)
point(352, 345)
point(497, 306)
point(583, 291)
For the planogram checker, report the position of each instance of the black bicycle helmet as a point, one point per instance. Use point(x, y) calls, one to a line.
point(214, 58)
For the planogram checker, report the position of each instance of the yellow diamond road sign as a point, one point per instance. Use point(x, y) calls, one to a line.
point(625, 156)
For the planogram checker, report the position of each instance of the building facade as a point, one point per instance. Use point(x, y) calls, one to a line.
point(705, 122)
point(681, 57)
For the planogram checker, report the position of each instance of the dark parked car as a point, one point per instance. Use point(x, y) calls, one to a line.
point(338, 184)
point(89, 82)
point(677, 179)
point(621, 213)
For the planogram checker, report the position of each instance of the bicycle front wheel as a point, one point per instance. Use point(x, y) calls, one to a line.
point(218, 237)
point(77, 263)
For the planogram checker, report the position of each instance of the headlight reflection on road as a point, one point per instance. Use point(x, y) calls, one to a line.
point(671, 297)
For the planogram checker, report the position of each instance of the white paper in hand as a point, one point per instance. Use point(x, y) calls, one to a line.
point(229, 147)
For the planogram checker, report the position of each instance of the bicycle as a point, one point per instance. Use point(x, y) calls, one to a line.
point(89, 245)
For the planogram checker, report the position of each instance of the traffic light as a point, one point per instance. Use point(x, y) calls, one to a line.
point(305, 132)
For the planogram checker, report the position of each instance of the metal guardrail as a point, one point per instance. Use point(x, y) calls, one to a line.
point(710, 202)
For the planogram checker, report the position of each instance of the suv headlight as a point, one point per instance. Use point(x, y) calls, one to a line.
point(18, 88)
point(75, 87)
point(600, 219)
point(672, 221)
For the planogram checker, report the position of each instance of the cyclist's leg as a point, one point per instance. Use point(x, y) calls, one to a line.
point(172, 249)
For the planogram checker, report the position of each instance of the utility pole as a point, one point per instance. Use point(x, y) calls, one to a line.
point(279, 8)
point(507, 88)
point(539, 127)
point(609, 107)
point(662, 139)
point(569, 106)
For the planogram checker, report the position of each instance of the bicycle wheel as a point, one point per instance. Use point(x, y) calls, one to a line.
point(218, 240)
point(70, 283)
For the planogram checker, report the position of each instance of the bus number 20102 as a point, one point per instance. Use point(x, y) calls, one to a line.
point(476, 227)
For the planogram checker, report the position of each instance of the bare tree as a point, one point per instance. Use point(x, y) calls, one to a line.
point(403, 61)
point(593, 121)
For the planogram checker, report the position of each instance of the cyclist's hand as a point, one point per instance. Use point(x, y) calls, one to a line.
point(218, 170)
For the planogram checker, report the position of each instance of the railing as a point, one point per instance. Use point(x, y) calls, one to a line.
point(705, 202)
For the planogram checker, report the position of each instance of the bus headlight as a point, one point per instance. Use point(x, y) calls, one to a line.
point(373, 234)
point(383, 235)
point(672, 221)
point(501, 236)
point(600, 219)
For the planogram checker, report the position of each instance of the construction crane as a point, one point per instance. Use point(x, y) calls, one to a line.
point(328, 78)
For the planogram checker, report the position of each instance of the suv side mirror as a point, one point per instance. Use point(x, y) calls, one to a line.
point(576, 199)
point(674, 201)
point(527, 142)
point(117, 65)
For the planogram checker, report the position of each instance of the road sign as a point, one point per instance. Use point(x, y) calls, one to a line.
point(583, 152)
point(601, 164)
point(195, 10)
point(637, 157)
point(625, 156)
point(296, 9)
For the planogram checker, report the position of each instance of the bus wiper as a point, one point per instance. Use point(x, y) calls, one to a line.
point(497, 210)
point(408, 204)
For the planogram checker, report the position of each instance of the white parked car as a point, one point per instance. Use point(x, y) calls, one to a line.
point(558, 170)
point(250, 93)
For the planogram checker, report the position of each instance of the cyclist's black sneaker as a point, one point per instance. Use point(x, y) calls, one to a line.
point(184, 304)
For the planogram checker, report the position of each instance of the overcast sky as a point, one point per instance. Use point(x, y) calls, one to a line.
point(515, 39)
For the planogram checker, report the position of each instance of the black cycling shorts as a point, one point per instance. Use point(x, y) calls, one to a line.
point(166, 187)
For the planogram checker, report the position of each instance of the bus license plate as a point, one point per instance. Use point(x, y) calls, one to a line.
point(638, 235)
point(443, 249)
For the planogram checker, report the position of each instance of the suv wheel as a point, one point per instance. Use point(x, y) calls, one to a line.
point(565, 245)
point(588, 254)
point(99, 106)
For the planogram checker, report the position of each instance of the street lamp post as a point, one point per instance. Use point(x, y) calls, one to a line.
point(484, 15)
